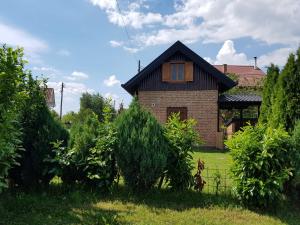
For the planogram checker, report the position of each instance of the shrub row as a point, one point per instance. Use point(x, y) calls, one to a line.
point(264, 163)
point(141, 148)
point(27, 127)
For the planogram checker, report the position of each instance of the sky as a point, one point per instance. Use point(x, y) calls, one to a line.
point(94, 45)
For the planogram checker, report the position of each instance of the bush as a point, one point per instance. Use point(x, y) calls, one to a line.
point(142, 148)
point(182, 137)
point(40, 129)
point(11, 78)
point(9, 145)
point(296, 144)
point(26, 122)
point(89, 158)
point(263, 163)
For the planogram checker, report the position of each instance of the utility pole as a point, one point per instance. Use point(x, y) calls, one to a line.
point(61, 98)
point(139, 66)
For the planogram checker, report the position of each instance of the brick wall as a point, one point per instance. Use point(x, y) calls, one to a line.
point(201, 105)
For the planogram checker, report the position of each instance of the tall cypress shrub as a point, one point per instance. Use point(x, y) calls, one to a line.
point(142, 148)
point(286, 104)
point(268, 93)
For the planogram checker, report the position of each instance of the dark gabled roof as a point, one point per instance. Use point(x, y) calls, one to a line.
point(224, 82)
point(238, 101)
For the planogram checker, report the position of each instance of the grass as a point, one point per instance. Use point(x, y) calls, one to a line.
point(59, 204)
point(214, 159)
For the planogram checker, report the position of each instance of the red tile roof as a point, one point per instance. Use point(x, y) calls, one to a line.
point(248, 76)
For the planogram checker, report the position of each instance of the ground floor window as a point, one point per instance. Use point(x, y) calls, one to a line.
point(181, 110)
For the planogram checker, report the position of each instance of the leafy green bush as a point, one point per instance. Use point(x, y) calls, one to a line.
point(182, 137)
point(9, 145)
point(40, 129)
point(89, 159)
point(97, 104)
point(296, 144)
point(23, 108)
point(11, 78)
point(263, 163)
point(142, 148)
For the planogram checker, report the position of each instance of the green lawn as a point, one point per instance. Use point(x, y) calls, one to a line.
point(76, 205)
point(213, 159)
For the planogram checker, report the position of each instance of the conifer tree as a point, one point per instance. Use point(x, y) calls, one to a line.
point(142, 147)
point(268, 93)
point(286, 104)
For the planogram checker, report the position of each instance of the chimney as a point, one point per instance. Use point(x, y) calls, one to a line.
point(225, 68)
point(255, 62)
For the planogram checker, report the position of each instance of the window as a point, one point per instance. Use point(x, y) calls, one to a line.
point(177, 71)
point(181, 110)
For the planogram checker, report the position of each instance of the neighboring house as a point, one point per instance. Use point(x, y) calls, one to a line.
point(50, 97)
point(248, 76)
point(179, 80)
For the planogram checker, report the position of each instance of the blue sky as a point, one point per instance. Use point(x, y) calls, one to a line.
point(84, 44)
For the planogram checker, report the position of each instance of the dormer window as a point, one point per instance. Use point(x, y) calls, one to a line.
point(177, 71)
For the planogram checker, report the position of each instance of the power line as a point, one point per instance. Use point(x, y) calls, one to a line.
point(126, 30)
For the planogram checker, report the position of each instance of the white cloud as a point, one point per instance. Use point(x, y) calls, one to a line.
point(228, 55)
point(111, 81)
point(116, 100)
point(64, 52)
point(115, 44)
point(129, 16)
point(105, 4)
point(210, 21)
point(77, 76)
point(45, 69)
point(72, 93)
point(209, 60)
point(278, 57)
point(131, 50)
point(230, 19)
point(165, 36)
point(14, 36)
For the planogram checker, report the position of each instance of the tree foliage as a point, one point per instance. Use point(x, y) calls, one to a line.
point(89, 158)
point(25, 122)
point(96, 103)
point(248, 90)
point(40, 129)
point(264, 160)
point(268, 93)
point(285, 101)
point(142, 148)
point(182, 138)
point(11, 79)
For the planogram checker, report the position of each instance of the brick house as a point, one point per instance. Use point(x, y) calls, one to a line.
point(179, 80)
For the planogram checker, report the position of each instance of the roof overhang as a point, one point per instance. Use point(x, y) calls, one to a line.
point(238, 101)
point(224, 82)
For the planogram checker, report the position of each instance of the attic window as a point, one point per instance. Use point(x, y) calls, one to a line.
point(177, 71)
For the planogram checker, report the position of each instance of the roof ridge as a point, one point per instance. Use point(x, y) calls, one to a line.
point(233, 65)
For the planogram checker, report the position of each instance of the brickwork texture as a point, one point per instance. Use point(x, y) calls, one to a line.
point(202, 105)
